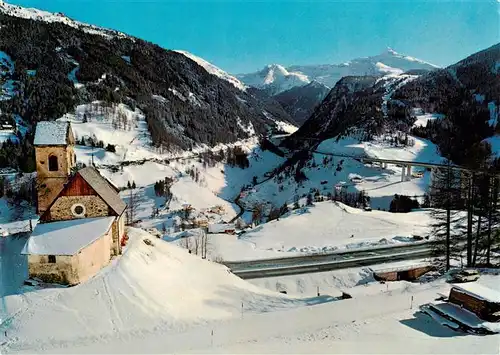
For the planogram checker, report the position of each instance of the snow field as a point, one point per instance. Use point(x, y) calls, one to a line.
point(116, 125)
point(149, 288)
point(387, 322)
point(325, 227)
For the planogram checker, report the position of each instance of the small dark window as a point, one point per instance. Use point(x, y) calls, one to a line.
point(53, 164)
point(52, 259)
point(78, 209)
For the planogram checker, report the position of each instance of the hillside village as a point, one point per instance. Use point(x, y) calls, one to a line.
point(151, 202)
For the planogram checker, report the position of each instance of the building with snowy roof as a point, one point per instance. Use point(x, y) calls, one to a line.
point(478, 299)
point(82, 217)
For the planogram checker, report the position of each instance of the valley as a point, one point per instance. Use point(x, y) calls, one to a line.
point(260, 208)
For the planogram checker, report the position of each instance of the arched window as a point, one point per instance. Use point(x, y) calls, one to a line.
point(53, 164)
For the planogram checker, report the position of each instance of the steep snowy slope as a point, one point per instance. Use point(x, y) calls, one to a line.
point(322, 172)
point(276, 78)
point(149, 288)
point(212, 69)
point(40, 15)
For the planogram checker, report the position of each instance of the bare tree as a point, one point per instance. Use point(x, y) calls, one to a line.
point(187, 243)
point(204, 243)
point(197, 242)
point(132, 204)
point(257, 213)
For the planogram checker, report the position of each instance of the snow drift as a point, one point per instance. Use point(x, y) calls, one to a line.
point(150, 287)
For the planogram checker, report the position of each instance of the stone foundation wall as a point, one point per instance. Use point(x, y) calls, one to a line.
point(94, 207)
point(63, 271)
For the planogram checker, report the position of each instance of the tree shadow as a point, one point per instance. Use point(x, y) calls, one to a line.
point(425, 324)
point(13, 264)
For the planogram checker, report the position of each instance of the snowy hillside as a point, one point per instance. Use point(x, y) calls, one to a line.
point(117, 125)
point(212, 69)
point(159, 299)
point(277, 78)
point(150, 287)
point(324, 172)
point(324, 227)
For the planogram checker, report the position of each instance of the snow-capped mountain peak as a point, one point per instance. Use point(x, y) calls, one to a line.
point(401, 61)
point(276, 78)
point(391, 51)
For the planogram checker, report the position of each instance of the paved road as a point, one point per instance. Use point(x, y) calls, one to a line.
point(331, 261)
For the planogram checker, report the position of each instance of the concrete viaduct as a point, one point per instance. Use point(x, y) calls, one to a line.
point(405, 164)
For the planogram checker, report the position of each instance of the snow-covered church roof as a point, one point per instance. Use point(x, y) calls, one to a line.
point(52, 133)
point(66, 237)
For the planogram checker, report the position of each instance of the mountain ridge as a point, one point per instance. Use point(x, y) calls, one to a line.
point(58, 63)
point(389, 61)
point(463, 94)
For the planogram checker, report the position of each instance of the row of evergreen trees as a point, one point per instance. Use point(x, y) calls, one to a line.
point(465, 213)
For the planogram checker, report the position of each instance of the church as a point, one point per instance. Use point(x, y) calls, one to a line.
point(82, 217)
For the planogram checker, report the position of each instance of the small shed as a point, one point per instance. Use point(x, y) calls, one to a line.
point(406, 273)
point(69, 252)
point(478, 299)
point(228, 228)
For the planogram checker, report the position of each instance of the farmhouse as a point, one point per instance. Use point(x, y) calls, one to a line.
point(82, 221)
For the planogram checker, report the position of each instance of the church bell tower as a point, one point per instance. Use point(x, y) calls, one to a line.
point(55, 159)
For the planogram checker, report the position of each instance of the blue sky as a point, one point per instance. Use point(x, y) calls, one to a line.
point(243, 36)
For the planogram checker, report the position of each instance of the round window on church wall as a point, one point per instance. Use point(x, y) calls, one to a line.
point(78, 210)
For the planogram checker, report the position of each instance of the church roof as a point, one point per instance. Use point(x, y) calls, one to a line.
point(52, 133)
point(103, 188)
point(66, 237)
